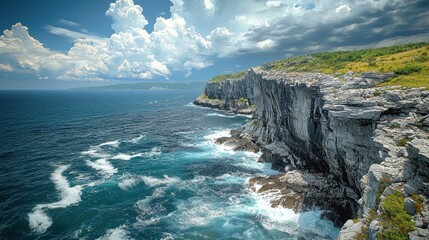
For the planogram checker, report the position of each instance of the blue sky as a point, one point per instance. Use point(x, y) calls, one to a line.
point(53, 44)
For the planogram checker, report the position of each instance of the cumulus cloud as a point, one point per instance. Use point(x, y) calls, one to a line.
point(199, 31)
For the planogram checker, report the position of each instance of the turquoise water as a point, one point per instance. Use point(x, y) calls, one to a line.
point(131, 165)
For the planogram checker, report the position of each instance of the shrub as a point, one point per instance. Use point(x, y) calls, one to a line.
point(242, 100)
point(396, 222)
point(408, 70)
point(384, 182)
point(363, 234)
point(402, 142)
point(422, 58)
point(419, 200)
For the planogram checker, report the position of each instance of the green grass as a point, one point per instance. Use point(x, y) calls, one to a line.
point(396, 222)
point(409, 61)
point(242, 100)
point(229, 76)
point(402, 142)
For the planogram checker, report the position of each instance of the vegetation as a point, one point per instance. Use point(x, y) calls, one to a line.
point(410, 62)
point(418, 201)
point(396, 222)
point(229, 76)
point(204, 96)
point(214, 100)
point(384, 183)
point(242, 100)
point(363, 234)
point(402, 142)
point(408, 69)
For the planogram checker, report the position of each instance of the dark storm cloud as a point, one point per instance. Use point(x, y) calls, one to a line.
point(365, 28)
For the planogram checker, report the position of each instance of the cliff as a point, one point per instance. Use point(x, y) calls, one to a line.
point(344, 144)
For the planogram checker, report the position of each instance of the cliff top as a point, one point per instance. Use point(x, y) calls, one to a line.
point(410, 63)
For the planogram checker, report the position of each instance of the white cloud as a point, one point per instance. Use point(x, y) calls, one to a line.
point(68, 33)
point(69, 23)
point(6, 67)
point(18, 48)
point(196, 32)
point(266, 44)
point(126, 16)
point(343, 9)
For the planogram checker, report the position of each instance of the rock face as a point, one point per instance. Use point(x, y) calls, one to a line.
point(341, 133)
point(231, 95)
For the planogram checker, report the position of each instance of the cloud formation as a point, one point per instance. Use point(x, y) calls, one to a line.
point(200, 31)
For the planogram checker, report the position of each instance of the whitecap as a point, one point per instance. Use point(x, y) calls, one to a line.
point(220, 115)
point(39, 221)
point(103, 166)
point(168, 236)
point(119, 233)
point(155, 151)
point(153, 182)
point(128, 182)
point(114, 143)
point(95, 152)
point(125, 157)
point(197, 212)
point(136, 139)
point(218, 134)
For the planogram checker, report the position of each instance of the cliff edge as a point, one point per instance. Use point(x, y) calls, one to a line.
point(344, 143)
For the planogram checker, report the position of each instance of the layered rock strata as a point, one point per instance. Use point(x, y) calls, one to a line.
point(343, 143)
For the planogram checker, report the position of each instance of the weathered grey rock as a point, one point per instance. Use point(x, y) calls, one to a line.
point(301, 190)
point(350, 230)
point(419, 234)
point(239, 144)
point(364, 137)
point(410, 206)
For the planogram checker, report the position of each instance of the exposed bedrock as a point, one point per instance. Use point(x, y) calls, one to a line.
point(341, 133)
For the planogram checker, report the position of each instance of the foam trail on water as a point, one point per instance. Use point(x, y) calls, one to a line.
point(128, 182)
point(39, 221)
point(119, 233)
point(125, 157)
point(95, 152)
point(103, 166)
point(155, 151)
point(153, 182)
point(218, 134)
point(221, 115)
point(114, 143)
point(137, 139)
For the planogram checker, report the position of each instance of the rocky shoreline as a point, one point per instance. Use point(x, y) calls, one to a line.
point(344, 144)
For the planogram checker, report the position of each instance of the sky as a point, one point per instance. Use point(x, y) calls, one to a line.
point(57, 44)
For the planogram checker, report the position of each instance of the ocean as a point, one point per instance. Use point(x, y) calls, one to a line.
point(132, 165)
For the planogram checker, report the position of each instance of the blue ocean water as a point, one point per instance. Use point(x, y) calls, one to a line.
point(131, 165)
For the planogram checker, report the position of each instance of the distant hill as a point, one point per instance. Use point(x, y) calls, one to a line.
point(147, 86)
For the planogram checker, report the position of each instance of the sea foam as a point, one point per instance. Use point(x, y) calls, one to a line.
point(119, 233)
point(39, 221)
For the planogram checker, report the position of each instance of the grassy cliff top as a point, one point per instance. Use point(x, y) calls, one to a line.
point(410, 62)
point(228, 76)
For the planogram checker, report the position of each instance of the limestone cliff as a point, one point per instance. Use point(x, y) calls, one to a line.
point(343, 143)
